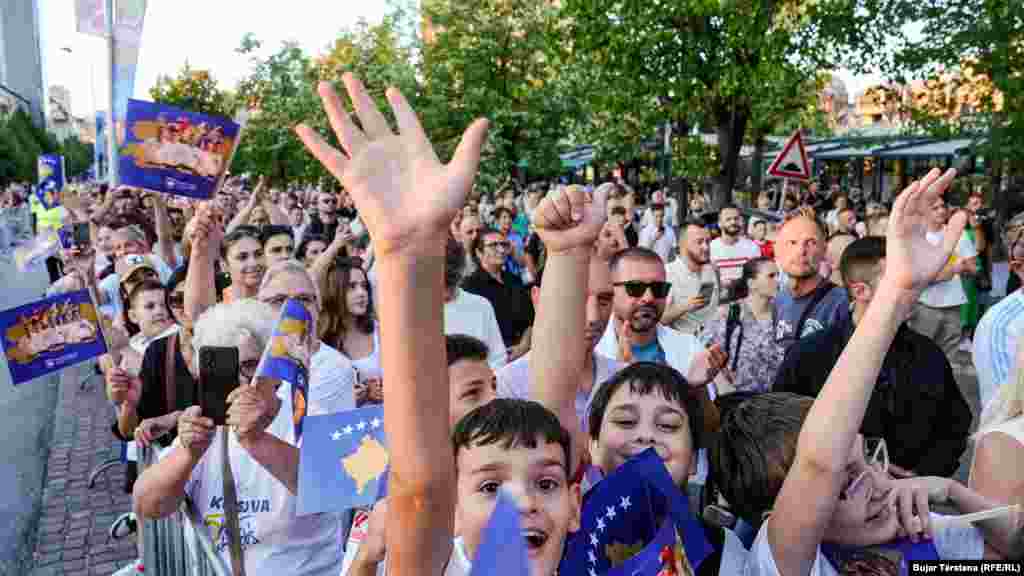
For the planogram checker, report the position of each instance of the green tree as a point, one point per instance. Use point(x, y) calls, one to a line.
point(496, 58)
point(195, 91)
point(707, 63)
point(78, 156)
point(21, 143)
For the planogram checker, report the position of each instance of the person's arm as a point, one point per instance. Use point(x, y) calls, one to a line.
point(276, 215)
point(200, 282)
point(242, 218)
point(341, 241)
point(160, 489)
point(497, 355)
point(407, 198)
point(1005, 534)
point(807, 501)
point(164, 230)
point(556, 361)
point(997, 471)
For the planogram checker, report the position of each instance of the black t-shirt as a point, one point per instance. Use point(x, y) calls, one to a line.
point(510, 299)
point(319, 227)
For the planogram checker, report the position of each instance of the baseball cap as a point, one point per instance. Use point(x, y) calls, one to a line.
point(131, 264)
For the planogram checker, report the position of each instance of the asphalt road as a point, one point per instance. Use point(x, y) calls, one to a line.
point(26, 422)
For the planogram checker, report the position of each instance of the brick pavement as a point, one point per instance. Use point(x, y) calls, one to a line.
point(74, 520)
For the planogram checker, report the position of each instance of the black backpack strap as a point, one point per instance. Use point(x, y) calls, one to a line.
point(712, 563)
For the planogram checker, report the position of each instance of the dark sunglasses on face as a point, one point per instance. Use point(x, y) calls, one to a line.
point(636, 289)
point(495, 245)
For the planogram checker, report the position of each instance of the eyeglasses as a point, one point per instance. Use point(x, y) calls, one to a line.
point(308, 302)
point(498, 245)
point(636, 289)
point(876, 454)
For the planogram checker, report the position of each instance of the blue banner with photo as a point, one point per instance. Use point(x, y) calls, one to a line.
point(51, 180)
point(175, 151)
point(50, 335)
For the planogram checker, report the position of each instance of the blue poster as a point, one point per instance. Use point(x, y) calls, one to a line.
point(50, 335)
point(284, 357)
point(175, 151)
point(51, 180)
point(343, 461)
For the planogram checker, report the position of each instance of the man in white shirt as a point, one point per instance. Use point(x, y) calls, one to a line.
point(693, 299)
point(732, 250)
point(658, 237)
point(937, 312)
point(514, 379)
point(469, 314)
point(995, 339)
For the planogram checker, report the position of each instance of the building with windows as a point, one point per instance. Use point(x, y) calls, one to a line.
point(21, 61)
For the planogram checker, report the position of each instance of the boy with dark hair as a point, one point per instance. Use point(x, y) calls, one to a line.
point(833, 492)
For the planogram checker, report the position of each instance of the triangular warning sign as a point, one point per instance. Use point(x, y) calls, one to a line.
point(792, 161)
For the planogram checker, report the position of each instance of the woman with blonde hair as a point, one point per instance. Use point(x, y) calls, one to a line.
point(997, 470)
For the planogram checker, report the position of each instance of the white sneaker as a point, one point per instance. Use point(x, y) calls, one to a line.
point(132, 569)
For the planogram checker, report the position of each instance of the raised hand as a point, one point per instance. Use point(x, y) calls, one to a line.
point(204, 230)
point(123, 388)
point(403, 193)
point(570, 217)
point(195, 432)
point(911, 262)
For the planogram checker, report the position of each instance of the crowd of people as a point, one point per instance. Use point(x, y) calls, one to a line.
point(793, 369)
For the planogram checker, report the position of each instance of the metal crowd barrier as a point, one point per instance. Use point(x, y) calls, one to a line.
point(180, 544)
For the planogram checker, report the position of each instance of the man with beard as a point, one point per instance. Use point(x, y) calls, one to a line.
point(732, 250)
point(469, 314)
point(514, 378)
point(689, 305)
point(808, 303)
point(324, 221)
point(634, 333)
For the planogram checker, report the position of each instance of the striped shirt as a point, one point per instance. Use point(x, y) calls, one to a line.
point(995, 341)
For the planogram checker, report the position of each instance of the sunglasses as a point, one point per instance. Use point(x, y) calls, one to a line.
point(636, 289)
point(496, 245)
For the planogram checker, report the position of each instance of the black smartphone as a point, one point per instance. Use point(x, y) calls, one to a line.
point(218, 376)
point(81, 234)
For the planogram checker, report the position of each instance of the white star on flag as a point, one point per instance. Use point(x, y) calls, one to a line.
point(592, 573)
point(361, 426)
point(336, 435)
point(600, 524)
point(611, 512)
point(347, 429)
point(375, 423)
point(592, 557)
point(625, 504)
point(593, 540)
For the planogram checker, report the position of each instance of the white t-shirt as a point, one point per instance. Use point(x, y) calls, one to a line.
point(368, 368)
point(473, 315)
point(332, 381)
point(274, 540)
point(458, 564)
point(951, 292)
point(730, 259)
point(663, 245)
point(955, 542)
point(514, 381)
point(686, 285)
point(995, 344)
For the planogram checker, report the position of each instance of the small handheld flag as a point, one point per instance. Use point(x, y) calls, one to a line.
point(343, 461)
point(502, 550)
point(286, 356)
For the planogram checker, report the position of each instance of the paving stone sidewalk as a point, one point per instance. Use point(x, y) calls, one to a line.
point(75, 520)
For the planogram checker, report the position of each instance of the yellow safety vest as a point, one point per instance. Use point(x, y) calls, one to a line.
point(46, 220)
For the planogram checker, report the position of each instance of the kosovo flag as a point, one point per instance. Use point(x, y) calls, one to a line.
point(282, 360)
point(502, 550)
point(890, 559)
point(636, 522)
point(343, 461)
point(51, 180)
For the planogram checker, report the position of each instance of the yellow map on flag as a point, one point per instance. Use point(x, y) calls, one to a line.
point(367, 463)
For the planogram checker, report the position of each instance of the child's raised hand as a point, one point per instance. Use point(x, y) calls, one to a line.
point(404, 195)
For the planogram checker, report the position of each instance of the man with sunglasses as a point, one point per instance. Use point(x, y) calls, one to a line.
point(995, 338)
point(916, 404)
point(324, 220)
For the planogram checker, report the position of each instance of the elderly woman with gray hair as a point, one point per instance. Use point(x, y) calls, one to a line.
point(262, 454)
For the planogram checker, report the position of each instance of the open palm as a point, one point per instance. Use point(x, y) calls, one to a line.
point(404, 195)
point(911, 261)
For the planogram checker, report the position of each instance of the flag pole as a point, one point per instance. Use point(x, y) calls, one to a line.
point(112, 159)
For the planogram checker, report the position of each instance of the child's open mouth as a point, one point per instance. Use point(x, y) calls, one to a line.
point(535, 539)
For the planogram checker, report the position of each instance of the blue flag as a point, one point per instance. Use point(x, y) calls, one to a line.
point(51, 180)
point(50, 335)
point(175, 151)
point(636, 522)
point(282, 360)
point(343, 461)
point(502, 549)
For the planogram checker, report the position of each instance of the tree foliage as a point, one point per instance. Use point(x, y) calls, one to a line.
point(21, 143)
point(714, 64)
point(504, 60)
point(194, 90)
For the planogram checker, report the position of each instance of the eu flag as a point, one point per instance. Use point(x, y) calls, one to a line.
point(343, 461)
point(636, 522)
point(286, 354)
point(502, 549)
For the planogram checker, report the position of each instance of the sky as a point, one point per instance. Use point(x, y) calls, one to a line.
point(206, 37)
